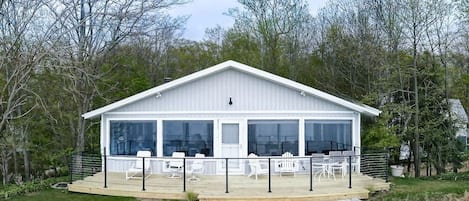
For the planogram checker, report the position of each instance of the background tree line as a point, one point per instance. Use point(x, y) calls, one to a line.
point(60, 59)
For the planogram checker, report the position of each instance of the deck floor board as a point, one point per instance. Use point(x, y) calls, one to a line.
point(296, 187)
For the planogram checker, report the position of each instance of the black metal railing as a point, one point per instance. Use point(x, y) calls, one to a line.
point(83, 165)
point(375, 165)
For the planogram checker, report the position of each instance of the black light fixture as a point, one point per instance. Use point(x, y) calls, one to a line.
point(231, 102)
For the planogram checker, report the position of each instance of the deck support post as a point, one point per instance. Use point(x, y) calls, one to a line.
point(349, 171)
point(184, 174)
point(226, 175)
point(143, 174)
point(270, 179)
point(311, 173)
point(105, 168)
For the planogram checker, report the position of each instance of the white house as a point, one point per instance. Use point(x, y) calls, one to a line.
point(228, 110)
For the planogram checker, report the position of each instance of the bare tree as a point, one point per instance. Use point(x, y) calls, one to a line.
point(22, 49)
point(92, 29)
point(278, 25)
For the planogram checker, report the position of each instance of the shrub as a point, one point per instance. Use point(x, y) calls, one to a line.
point(192, 196)
point(464, 176)
point(29, 187)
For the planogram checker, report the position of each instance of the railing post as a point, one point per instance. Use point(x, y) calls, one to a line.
point(226, 175)
point(349, 171)
point(270, 179)
point(82, 174)
point(386, 168)
point(143, 173)
point(311, 173)
point(70, 170)
point(105, 168)
point(184, 174)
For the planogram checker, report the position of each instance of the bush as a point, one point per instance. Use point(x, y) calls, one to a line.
point(29, 187)
point(464, 176)
point(191, 196)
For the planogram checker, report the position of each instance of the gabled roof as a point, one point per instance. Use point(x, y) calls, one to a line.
point(243, 68)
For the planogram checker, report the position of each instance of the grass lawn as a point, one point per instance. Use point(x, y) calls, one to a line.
point(420, 189)
point(61, 195)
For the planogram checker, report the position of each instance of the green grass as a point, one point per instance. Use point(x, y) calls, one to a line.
point(424, 189)
point(61, 195)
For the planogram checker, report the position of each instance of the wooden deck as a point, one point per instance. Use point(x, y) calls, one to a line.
point(296, 187)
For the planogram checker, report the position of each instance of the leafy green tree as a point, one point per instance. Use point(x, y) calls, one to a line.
point(438, 133)
point(381, 134)
point(278, 28)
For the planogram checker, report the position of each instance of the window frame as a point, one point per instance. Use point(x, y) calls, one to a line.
point(322, 122)
point(213, 121)
point(279, 143)
point(154, 151)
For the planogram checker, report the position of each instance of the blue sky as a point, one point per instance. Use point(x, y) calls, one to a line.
point(208, 13)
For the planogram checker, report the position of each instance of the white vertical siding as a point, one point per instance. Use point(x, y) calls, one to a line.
point(357, 137)
point(301, 137)
point(248, 93)
point(159, 136)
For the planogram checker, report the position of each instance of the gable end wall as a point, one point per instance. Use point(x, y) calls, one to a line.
point(247, 92)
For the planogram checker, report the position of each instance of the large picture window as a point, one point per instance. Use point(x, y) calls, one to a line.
point(191, 137)
point(128, 137)
point(272, 137)
point(324, 136)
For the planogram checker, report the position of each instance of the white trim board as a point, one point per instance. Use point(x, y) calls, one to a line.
point(234, 112)
point(303, 89)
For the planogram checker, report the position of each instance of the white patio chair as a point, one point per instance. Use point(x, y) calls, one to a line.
point(137, 169)
point(287, 164)
point(337, 163)
point(197, 167)
point(346, 154)
point(176, 164)
point(256, 167)
point(319, 166)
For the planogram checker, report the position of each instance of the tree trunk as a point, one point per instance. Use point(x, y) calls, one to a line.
point(15, 162)
point(5, 173)
point(24, 148)
point(80, 146)
point(27, 168)
point(416, 119)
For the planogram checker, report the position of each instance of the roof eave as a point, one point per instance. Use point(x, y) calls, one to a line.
point(158, 89)
point(367, 110)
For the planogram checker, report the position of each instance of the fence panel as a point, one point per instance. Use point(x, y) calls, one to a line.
point(375, 165)
point(83, 165)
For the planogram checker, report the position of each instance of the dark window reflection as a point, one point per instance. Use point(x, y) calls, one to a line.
point(324, 136)
point(272, 137)
point(190, 137)
point(128, 137)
